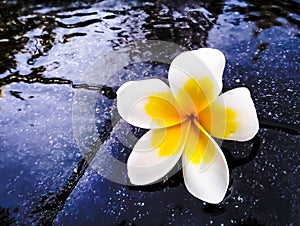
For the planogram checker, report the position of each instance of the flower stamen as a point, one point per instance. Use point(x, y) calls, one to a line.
point(198, 125)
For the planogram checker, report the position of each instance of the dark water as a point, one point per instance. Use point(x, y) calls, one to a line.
point(46, 49)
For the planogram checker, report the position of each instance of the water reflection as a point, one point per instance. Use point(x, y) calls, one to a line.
point(29, 31)
point(16, 20)
point(267, 14)
point(5, 217)
point(187, 25)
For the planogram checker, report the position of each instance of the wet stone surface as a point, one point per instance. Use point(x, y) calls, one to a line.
point(47, 49)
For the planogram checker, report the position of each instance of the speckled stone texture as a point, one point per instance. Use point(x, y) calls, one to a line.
point(46, 49)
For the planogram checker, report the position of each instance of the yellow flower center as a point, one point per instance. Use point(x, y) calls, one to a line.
point(198, 143)
point(195, 95)
point(188, 120)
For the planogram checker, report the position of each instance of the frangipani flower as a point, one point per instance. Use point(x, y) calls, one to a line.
point(182, 118)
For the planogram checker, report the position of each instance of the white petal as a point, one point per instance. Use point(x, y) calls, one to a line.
point(195, 78)
point(231, 116)
point(155, 154)
point(134, 99)
point(208, 179)
point(214, 59)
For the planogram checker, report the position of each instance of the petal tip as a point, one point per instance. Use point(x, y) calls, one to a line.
point(212, 198)
point(210, 185)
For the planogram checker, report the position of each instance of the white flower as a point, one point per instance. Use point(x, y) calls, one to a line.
point(182, 117)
